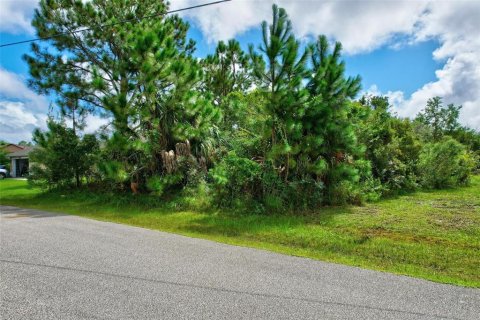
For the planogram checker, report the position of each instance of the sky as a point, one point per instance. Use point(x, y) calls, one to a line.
point(408, 50)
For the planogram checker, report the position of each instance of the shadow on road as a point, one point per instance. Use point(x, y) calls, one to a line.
point(7, 212)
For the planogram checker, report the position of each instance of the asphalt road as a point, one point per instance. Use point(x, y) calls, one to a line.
point(66, 267)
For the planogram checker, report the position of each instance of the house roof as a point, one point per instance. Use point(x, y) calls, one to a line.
point(10, 148)
point(21, 153)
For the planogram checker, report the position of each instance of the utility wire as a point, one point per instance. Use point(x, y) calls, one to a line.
point(112, 24)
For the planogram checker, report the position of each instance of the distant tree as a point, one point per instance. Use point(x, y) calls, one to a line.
point(4, 160)
point(227, 70)
point(24, 143)
point(468, 137)
point(442, 120)
point(471, 139)
point(445, 163)
point(3, 155)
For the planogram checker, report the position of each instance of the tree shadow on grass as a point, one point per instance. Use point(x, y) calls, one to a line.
point(138, 209)
point(232, 225)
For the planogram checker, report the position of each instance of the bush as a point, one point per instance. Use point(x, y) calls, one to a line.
point(61, 157)
point(235, 177)
point(4, 160)
point(370, 187)
point(392, 145)
point(445, 164)
point(245, 184)
point(159, 184)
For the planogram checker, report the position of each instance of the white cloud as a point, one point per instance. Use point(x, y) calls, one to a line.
point(360, 25)
point(17, 122)
point(225, 20)
point(12, 86)
point(363, 26)
point(94, 123)
point(455, 25)
point(21, 109)
point(15, 16)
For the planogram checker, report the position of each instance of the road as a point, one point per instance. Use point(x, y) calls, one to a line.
point(57, 266)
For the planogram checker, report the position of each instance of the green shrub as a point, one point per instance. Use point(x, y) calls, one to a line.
point(371, 189)
point(4, 159)
point(159, 184)
point(392, 145)
point(445, 164)
point(62, 158)
point(235, 177)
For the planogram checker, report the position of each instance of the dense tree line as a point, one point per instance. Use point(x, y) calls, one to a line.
point(275, 127)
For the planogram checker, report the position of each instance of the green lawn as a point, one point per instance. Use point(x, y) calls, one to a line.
point(432, 235)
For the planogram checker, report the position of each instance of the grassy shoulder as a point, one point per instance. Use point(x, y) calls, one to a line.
point(432, 235)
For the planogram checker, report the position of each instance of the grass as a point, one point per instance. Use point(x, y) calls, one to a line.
point(433, 235)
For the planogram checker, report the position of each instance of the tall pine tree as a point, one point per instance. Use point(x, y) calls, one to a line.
point(140, 73)
point(329, 138)
point(280, 70)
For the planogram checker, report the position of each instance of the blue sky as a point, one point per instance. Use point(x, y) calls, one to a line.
point(407, 50)
point(387, 68)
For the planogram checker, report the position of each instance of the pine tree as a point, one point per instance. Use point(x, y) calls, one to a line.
point(280, 69)
point(140, 73)
point(226, 71)
point(330, 144)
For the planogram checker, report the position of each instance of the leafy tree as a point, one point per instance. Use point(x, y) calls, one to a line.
point(468, 137)
point(442, 120)
point(236, 177)
point(445, 164)
point(3, 155)
point(391, 144)
point(62, 158)
point(244, 121)
point(471, 139)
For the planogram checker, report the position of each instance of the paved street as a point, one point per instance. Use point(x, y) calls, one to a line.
point(65, 267)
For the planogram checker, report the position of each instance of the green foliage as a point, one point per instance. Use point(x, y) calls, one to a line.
point(329, 139)
point(235, 178)
point(445, 164)
point(471, 139)
point(391, 144)
point(61, 157)
point(274, 129)
point(141, 74)
point(442, 120)
point(4, 160)
point(226, 71)
point(158, 184)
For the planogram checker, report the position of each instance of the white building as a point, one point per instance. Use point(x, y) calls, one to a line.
point(19, 159)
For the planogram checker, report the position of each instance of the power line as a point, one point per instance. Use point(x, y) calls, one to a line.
point(112, 24)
